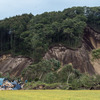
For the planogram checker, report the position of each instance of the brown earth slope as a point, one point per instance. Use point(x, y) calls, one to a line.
point(80, 57)
point(13, 65)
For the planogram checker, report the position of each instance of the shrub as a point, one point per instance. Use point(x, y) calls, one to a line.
point(96, 54)
point(50, 77)
point(40, 70)
point(65, 73)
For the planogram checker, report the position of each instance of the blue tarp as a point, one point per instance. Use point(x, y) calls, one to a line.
point(17, 87)
point(1, 81)
point(14, 83)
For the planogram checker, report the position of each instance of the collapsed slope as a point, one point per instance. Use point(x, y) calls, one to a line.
point(13, 65)
point(31, 36)
point(80, 57)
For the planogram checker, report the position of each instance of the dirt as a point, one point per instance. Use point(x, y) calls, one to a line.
point(80, 58)
point(95, 63)
point(13, 65)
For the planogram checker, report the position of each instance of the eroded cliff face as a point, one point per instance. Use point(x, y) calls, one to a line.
point(96, 64)
point(13, 65)
point(79, 58)
point(92, 38)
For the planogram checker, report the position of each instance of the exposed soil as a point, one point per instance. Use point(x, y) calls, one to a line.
point(13, 65)
point(79, 58)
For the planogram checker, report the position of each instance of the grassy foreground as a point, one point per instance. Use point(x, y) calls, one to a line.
point(50, 95)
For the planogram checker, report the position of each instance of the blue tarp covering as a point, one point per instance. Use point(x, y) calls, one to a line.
point(1, 81)
point(17, 87)
point(14, 83)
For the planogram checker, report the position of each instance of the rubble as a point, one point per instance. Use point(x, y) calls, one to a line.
point(7, 85)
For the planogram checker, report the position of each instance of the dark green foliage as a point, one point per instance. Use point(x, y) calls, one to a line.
point(73, 31)
point(67, 74)
point(32, 35)
point(83, 83)
point(61, 78)
point(41, 85)
point(41, 70)
point(10, 34)
point(50, 77)
point(96, 54)
point(93, 15)
point(50, 71)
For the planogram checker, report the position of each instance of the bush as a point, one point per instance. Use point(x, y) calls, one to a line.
point(40, 70)
point(50, 77)
point(41, 85)
point(96, 54)
point(65, 73)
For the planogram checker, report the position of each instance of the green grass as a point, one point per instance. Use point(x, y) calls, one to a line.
point(50, 95)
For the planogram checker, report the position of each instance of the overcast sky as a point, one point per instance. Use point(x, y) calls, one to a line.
point(9, 8)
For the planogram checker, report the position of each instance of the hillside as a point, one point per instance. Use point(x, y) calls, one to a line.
point(80, 57)
point(44, 46)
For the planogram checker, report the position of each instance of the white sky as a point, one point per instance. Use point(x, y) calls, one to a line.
point(10, 8)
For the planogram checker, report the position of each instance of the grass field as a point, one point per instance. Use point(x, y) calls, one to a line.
point(50, 95)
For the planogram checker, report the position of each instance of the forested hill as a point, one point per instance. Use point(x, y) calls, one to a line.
point(32, 36)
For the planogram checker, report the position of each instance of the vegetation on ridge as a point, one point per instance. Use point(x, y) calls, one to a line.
point(32, 35)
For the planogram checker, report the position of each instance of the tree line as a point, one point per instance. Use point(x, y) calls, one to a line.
point(31, 35)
